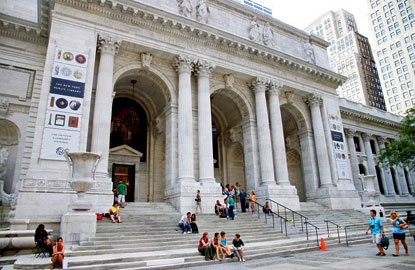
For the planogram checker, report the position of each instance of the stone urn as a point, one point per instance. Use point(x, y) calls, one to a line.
point(82, 166)
point(369, 187)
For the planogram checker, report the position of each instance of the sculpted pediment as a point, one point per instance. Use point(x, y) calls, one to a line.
point(125, 150)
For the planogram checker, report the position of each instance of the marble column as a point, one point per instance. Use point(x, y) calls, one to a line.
point(320, 141)
point(277, 135)
point(402, 181)
point(183, 66)
point(203, 70)
point(390, 189)
point(101, 124)
point(259, 87)
point(353, 159)
point(370, 160)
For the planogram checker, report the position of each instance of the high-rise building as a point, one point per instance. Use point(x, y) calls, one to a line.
point(256, 5)
point(350, 55)
point(393, 28)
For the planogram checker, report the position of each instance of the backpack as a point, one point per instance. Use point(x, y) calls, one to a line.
point(384, 241)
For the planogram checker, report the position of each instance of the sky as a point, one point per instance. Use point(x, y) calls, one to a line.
point(301, 13)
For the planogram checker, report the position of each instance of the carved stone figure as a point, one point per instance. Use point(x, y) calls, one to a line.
point(308, 47)
point(254, 30)
point(202, 11)
point(4, 154)
point(146, 59)
point(267, 34)
point(229, 79)
point(185, 8)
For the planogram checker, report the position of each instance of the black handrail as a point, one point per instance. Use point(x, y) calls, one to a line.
point(303, 218)
point(337, 228)
point(315, 228)
point(352, 225)
point(282, 219)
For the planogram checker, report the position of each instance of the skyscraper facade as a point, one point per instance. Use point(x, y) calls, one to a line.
point(350, 54)
point(393, 28)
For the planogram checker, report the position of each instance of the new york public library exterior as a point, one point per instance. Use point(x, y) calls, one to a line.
point(177, 96)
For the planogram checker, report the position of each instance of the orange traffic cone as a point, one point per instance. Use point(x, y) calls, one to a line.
point(322, 244)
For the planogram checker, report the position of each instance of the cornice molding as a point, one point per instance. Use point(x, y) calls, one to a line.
point(364, 117)
point(146, 16)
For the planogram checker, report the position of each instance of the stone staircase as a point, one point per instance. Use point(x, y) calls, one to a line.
point(149, 238)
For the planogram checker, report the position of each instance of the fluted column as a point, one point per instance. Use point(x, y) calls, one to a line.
point(183, 66)
point(402, 181)
point(320, 141)
point(206, 171)
point(370, 159)
point(259, 87)
point(101, 124)
point(390, 189)
point(277, 135)
point(353, 159)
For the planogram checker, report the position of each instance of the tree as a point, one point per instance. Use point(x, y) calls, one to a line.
point(402, 151)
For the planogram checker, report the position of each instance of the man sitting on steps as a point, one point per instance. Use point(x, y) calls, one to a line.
point(184, 223)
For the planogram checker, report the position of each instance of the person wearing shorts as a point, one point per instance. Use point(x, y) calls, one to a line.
point(376, 228)
point(398, 233)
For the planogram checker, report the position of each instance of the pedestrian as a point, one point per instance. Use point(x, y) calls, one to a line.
point(122, 191)
point(231, 202)
point(398, 225)
point(252, 200)
point(184, 223)
point(376, 228)
point(198, 200)
point(238, 247)
point(242, 196)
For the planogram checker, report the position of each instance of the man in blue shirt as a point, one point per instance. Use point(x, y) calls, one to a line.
point(376, 227)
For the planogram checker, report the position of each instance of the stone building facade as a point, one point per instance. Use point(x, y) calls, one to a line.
point(178, 96)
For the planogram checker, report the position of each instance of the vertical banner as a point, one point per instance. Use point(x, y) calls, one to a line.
point(340, 153)
point(65, 104)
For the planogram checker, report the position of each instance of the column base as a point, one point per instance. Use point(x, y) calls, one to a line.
point(78, 226)
point(333, 198)
point(285, 195)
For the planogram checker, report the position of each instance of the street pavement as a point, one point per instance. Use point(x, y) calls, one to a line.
point(340, 257)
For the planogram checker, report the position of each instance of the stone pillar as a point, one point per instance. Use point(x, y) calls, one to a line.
point(259, 87)
point(103, 103)
point(277, 134)
point(370, 159)
point(183, 66)
point(402, 181)
point(353, 159)
point(320, 141)
point(390, 189)
point(206, 172)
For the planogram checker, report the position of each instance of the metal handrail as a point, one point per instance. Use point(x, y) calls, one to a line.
point(350, 226)
point(282, 219)
point(337, 227)
point(303, 218)
point(315, 228)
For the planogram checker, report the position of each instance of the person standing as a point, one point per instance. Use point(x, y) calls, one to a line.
point(398, 233)
point(242, 197)
point(231, 202)
point(252, 199)
point(122, 191)
point(198, 200)
point(376, 228)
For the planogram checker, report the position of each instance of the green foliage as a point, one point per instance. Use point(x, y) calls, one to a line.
point(402, 151)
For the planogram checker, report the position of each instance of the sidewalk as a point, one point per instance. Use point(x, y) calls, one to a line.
point(352, 257)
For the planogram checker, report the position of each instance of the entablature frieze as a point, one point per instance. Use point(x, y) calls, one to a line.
point(367, 118)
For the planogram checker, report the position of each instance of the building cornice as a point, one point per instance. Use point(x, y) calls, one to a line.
point(145, 16)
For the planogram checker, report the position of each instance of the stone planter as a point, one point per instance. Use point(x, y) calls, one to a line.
point(82, 166)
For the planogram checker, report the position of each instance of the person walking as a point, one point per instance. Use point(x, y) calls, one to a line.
point(398, 233)
point(376, 228)
point(122, 191)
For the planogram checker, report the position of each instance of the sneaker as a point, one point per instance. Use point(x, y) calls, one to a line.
point(243, 259)
point(184, 232)
point(239, 260)
point(189, 232)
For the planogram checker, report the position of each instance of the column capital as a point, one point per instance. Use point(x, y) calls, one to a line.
point(381, 140)
point(182, 63)
point(203, 67)
point(349, 132)
point(275, 87)
point(313, 101)
point(259, 85)
point(107, 44)
point(366, 136)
